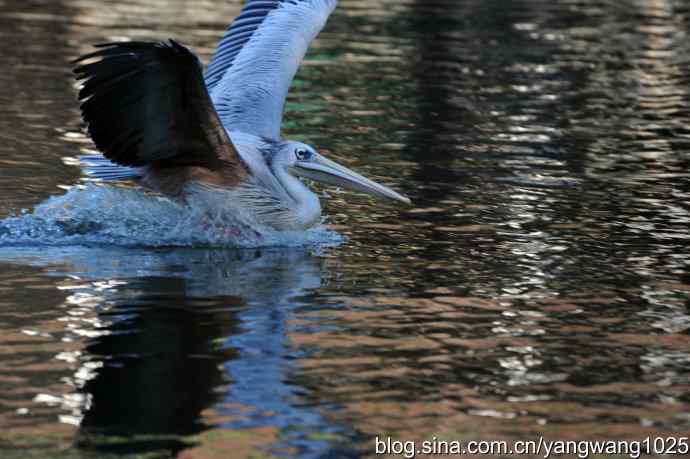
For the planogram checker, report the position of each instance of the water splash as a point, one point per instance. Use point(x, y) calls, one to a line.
point(117, 215)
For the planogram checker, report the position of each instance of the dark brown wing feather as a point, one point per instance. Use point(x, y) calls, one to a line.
point(147, 104)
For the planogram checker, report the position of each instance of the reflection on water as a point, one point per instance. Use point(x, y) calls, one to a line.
point(159, 346)
point(540, 285)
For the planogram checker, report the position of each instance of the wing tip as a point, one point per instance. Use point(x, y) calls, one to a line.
point(136, 49)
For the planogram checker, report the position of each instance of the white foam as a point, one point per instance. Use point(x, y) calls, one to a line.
point(117, 215)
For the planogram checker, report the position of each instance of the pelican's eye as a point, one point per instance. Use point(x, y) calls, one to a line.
point(302, 154)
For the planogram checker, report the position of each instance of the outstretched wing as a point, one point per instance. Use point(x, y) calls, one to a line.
point(147, 104)
point(251, 71)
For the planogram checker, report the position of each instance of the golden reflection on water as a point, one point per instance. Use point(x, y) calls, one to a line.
point(416, 382)
point(46, 344)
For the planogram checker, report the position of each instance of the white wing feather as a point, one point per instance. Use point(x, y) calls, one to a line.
point(250, 75)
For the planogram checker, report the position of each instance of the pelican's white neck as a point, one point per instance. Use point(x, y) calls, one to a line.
point(285, 202)
point(305, 205)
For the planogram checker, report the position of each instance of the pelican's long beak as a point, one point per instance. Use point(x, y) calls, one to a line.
point(326, 171)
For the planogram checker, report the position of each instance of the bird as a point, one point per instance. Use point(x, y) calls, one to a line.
point(159, 120)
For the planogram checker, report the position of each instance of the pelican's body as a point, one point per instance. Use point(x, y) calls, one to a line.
point(274, 196)
point(216, 137)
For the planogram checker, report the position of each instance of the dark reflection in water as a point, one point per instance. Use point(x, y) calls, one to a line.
point(196, 342)
point(161, 363)
point(539, 286)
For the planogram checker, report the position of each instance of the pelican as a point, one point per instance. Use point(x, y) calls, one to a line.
point(159, 120)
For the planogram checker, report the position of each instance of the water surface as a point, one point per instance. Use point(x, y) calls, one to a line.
point(539, 285)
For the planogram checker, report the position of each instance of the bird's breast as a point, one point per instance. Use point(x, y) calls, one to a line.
point(251, 204)
point(308, 212)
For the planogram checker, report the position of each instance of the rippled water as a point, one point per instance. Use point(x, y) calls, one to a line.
point(540, 285)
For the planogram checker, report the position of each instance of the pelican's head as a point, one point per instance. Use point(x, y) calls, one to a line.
point(302, 160)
